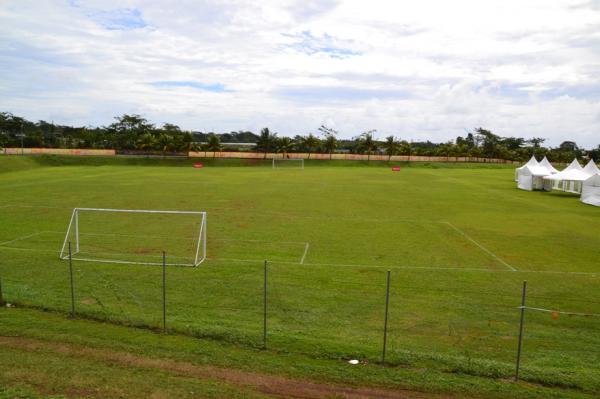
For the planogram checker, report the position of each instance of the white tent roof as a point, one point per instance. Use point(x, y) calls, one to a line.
point(548, 165)
point(572, 172)
point(537, 170)
point(531, 162)
point(574, 165)
point(591, 168)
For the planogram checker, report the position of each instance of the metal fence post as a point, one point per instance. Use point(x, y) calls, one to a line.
point(265, 308)
point(385, 322)
point(1, 295)
point(521, 325)
point(164, 290)
point(71, 280)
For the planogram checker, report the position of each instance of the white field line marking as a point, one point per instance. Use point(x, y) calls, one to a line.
point(130, 262)
point(428, 268)
point(466, 269)
point(4, 245)
point(31, 206)
point(48, 251)
point(484, 249)
point(156, 255)
point(305, 253)
point(21, 238)
point(560, 311)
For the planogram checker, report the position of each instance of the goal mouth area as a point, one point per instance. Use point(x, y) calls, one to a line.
point(135, 237)
point(288, 163)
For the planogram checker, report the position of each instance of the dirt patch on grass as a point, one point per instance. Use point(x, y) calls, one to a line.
point(266, 384)
point(144, 251)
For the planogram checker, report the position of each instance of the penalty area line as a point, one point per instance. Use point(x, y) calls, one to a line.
point(305, 253)
point(21, 238)
point(484, 249)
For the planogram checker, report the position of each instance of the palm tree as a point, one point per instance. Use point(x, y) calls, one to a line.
point(146, 142)
point(391, 146)
point(367, 142)
point(266, 141)
point(164, 142)
point(330, 143)
point(285, 145)
point(213, 143)
point(186, 142)
point(310, 142)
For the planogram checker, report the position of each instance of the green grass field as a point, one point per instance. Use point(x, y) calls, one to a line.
point(458, 239)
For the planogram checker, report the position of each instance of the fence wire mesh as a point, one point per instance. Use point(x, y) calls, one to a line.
point(444, 321)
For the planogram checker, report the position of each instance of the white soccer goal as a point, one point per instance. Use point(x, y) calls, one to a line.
point(136, 236)
point(288, 163)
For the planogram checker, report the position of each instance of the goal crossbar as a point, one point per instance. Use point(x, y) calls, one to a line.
point(283, 160)
point(73, 226)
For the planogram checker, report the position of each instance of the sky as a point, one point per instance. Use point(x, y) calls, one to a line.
point(419, 70)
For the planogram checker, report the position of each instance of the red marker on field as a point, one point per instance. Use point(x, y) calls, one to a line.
point(396, 168)
point(198, 165)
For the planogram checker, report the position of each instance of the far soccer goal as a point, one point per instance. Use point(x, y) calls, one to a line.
point(136, 236)
point(288, 163)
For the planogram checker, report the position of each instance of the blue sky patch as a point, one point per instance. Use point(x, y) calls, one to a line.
point(583, 92)
point(213, 87)
point(120, 19)
point(310, 44)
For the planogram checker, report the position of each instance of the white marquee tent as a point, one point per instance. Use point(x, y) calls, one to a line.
point(531, 175)
point(531, 162)
point(548, 165)
point(571, 179)
point(590, 193)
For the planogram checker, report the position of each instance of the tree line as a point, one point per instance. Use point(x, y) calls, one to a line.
point(133, 133)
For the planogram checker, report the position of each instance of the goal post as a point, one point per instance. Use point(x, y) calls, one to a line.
point(288, 163)
point(130, 236)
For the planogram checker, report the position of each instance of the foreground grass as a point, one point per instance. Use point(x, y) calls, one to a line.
point(36, 371)
point(453, 305)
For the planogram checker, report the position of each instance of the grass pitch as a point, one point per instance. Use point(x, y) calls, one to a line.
point(459, 241)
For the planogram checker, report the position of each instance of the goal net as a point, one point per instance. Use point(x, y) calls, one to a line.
point(136, 236)
point(288, 163)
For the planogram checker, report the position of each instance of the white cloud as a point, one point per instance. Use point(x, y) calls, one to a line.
point(420, 70)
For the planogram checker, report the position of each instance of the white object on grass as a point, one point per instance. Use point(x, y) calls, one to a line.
point(353, 361)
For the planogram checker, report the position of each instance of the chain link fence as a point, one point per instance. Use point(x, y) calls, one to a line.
point(403, 318)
